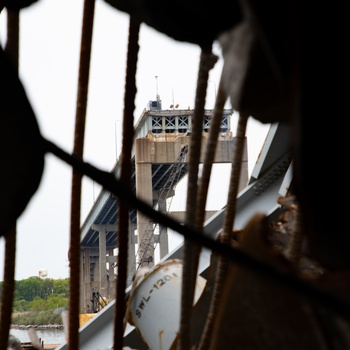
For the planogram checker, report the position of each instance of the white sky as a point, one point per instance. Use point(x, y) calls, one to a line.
point(50, 33)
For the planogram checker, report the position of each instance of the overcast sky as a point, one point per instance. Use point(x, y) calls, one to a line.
point(50, 33)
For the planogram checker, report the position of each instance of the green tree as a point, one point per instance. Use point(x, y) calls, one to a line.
point(55, 301)
point(61, 286)
point(28, 289)
point(35, 293)
point(47, 288)
point(21, 305)
point(38, 304)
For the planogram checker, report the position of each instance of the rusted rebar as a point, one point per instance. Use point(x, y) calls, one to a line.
point(125, 176)
point(78, 150)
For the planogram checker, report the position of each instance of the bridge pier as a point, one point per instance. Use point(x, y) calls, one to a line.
point(95, 276)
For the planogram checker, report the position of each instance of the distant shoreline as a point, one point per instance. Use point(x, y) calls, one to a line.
point(47, 326)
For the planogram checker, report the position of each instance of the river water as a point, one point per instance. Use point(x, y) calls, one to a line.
point(48, 336)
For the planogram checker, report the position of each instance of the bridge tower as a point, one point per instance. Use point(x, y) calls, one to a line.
point(161, 136)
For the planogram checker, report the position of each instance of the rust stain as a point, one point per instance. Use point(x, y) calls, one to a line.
point(161, 332)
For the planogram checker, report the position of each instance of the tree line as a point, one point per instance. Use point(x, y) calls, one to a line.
point(39, 294)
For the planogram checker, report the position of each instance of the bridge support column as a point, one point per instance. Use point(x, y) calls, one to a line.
point(89, 261)
point(144, 227)
point(85, 259)
point(102, 257)
point(148, 152)
point(102, 261)
point(83, 304)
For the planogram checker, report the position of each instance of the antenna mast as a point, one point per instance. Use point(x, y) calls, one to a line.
point(157, 94)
